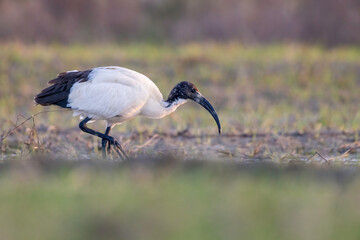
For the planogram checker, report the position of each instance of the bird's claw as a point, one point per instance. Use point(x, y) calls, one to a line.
point(118, 148)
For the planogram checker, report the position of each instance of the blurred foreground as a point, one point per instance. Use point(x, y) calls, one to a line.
point(164, 198)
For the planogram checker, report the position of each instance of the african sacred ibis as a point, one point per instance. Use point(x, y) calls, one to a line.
point(116, 95)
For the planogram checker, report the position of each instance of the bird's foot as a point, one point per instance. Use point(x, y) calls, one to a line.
point(116, 145)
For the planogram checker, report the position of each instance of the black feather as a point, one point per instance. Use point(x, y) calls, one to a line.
point(58, 92)
point(182, 90)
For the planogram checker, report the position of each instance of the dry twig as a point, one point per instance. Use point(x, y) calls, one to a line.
point(32, 117)
point(316, 153)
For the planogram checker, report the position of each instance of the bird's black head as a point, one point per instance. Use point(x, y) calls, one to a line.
point(187, 90)
point(182, 90)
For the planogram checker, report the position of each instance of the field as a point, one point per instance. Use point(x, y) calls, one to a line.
point(285, 166)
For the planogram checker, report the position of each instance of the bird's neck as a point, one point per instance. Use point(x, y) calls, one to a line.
point(159, 109)
point(171, 106)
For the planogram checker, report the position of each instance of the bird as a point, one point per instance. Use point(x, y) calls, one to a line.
point(116, 95)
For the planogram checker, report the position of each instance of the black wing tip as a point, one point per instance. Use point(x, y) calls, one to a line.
point(45, 102)
point(58, 92)
point(40, 101)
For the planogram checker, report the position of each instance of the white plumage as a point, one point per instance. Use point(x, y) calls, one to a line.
point(127, 94)
point(116, 95)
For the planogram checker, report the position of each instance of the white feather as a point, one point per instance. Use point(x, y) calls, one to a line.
point(118, 94)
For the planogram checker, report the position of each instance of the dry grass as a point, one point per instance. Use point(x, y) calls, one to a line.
point(287, 153)
point(274, 102)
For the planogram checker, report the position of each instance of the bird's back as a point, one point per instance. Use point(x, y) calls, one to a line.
point(103, 92)
point(123, 76)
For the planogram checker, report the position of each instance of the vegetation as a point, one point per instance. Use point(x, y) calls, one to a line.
point(293, 109)
point(257, 91)
point(165, 199)
point(260, 21)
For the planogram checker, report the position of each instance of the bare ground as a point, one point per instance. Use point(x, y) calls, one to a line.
point(325, 147)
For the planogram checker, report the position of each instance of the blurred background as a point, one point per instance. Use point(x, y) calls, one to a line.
point(327, 22)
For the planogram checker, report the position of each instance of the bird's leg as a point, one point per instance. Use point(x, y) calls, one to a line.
point(104, 142)
point(110, 139)
point(117, 146)
point(115, 143)
point(109, 148)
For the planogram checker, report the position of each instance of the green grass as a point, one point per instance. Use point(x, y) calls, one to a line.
point(177, 201)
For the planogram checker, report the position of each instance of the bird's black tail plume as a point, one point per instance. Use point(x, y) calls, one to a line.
point(58, 92)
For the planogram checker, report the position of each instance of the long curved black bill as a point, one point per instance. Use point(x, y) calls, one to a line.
point(206, 104)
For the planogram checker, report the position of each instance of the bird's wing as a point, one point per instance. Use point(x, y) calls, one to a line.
point(59, 89)
point(108, 99)
point(126, 77)
point(102, 92)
